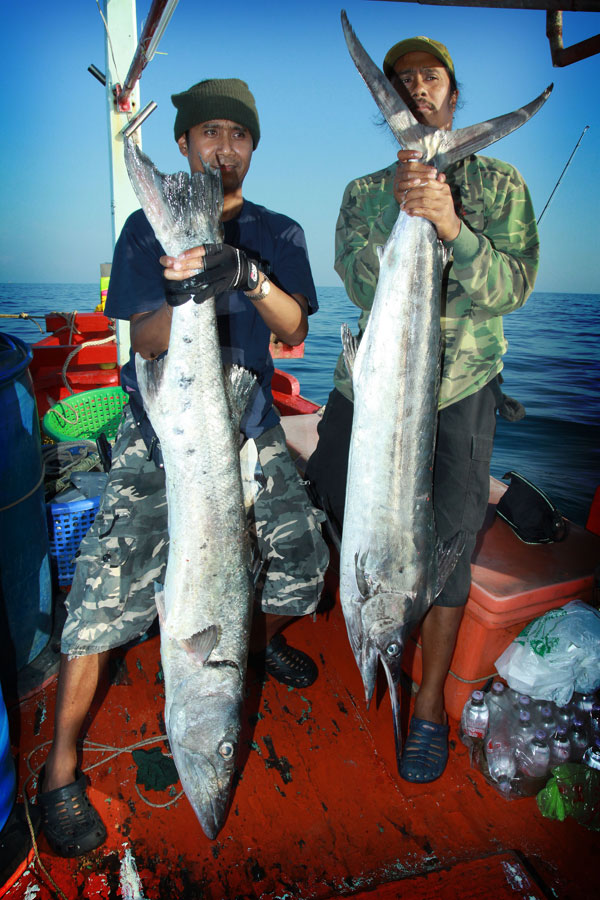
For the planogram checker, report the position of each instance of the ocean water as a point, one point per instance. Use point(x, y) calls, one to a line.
point(552, 367)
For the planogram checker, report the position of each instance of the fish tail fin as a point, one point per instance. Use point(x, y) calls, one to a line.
point(449, 553)
point(439, 147)
point(239, 385)
point(456, 145)
point(177, 205)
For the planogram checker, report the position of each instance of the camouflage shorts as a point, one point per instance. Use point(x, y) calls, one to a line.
point(125, 552)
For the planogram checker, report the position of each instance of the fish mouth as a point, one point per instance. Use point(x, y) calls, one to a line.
point(206, 790)
point(389, 649)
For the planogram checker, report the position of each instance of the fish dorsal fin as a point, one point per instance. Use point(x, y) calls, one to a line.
point(202, 644)
point(239, 384)
point(350, 347)
point(441, 148)
point(253, 477)
point(448, 553)
point(159, 599)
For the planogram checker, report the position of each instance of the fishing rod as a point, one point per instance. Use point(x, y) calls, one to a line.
point(562, 173)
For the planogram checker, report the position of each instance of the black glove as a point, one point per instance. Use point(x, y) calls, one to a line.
point(225, 269)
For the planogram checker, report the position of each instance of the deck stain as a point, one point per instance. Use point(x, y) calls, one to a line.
point(400, 828)
point(255, 870)
point(280, 763)
point(474, 783)
point(40, 716)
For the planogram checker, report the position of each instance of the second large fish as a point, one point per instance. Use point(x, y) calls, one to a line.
point(392, 566)
point(195, 409)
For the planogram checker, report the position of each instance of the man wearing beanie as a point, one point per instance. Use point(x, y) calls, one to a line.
point(482, 211)
point(125, 552)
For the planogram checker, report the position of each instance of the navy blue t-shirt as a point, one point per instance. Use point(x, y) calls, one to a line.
point(137, 284)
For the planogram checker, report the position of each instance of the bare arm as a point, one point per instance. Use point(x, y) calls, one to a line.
point(284, 314)
point(150, 331)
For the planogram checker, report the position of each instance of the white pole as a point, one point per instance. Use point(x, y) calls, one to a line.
point(121, 43)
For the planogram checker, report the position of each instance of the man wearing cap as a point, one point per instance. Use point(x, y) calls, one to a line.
point(482, 212)
point(125, 552)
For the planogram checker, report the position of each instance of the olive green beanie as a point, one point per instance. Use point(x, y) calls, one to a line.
point(216, 98)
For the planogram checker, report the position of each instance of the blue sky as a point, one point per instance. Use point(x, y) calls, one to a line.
point(318, 120)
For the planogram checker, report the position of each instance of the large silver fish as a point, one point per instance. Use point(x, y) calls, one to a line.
point(392, 565)
point(205, 608)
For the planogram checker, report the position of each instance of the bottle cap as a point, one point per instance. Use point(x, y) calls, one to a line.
point(524, 700)
point(561, 732)
point(477, 696)
point(540, 736)
point(524, 716)
point(499, 688)
point(546, 711)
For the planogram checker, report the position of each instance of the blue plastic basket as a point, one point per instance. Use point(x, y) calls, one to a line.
point(68, 523)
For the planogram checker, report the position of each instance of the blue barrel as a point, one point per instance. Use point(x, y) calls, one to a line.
point(8, 781)
point(25, 579)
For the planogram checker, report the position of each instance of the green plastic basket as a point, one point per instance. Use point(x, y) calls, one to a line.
point(86, 415)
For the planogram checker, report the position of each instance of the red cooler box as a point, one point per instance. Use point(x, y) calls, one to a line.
point(513, 583)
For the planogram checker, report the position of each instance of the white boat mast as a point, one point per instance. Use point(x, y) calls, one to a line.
point(121, 42)
point(126, 57)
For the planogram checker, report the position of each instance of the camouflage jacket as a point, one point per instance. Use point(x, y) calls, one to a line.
point(490, 272)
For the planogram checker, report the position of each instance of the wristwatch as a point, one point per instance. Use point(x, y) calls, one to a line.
point(264, 291)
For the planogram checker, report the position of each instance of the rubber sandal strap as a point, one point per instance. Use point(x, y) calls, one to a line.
point(289, 665)
point(69, 821)
point(425, 751)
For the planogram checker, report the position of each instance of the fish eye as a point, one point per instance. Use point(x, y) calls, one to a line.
point(393, 649)
point(226, 750)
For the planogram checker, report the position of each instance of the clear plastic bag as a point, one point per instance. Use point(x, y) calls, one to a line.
point(555, 654)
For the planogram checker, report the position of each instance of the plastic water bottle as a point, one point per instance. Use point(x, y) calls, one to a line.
point(499, 702)
point(578, 738)
point(591, 757)
point(475, 716)
point(562, 714)
point(524, 732)
point(595, 721)
point(547, 722)
point(534, 758)
point(560, 746)
point(502, 765)
point(583, 703)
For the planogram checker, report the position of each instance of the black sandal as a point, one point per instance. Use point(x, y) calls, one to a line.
point(71, 824)
point(288, 665)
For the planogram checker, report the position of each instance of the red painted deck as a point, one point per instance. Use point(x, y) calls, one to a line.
point(319, 810)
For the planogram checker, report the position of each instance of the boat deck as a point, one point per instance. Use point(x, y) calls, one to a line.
point(319, 810)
